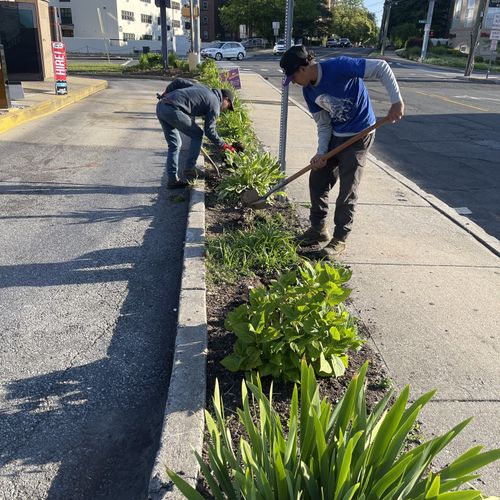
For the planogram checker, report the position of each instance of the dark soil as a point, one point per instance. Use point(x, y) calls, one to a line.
point(223, 298)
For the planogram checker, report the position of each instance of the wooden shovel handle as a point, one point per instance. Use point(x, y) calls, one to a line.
point(332, 153)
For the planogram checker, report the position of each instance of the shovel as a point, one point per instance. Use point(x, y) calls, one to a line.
point(253, 199)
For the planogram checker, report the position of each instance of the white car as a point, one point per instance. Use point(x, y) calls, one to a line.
point(225, 50)
point(279, 48)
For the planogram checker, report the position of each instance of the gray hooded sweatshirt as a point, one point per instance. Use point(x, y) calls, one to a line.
point(196, 99)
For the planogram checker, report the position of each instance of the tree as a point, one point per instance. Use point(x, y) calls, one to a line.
point(352, 21)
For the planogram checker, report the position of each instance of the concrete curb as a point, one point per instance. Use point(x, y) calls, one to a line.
point(16, 117)
point(183, 423)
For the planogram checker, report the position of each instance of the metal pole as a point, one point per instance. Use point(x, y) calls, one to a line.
point(196, 32)
point(427, 30)
point(388, 5)
point(475, 37)
point(284, 90)
point(102, 32)
point(192, 24)
point(164, 34)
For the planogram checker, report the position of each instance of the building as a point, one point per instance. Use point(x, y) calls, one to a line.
point(25, 35)
point(125, 26)
point(465, 13)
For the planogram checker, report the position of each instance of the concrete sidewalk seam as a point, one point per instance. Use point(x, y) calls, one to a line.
point(183, 423)
point(477, 232)
point(17, 116)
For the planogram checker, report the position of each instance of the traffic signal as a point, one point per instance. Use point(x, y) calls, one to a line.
point(187, 25)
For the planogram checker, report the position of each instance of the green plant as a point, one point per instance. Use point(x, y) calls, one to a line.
point(175, 62)
point(300, 316)
point(209, 74)
point(249, 170)
point(339, 452)
point(266, 245)
point(237, 126)
point(150, 60)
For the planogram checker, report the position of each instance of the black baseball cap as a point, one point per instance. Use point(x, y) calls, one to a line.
point(229, 96)
point(292, 60)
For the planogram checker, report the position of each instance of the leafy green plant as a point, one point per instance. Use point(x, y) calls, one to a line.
point(150, 60)
point(249, 170)
point(300, 316)
point(175, 62)
point(236, 126)
point(339, 452)
point(265, 245)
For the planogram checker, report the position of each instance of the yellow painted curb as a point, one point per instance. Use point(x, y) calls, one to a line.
point(17, 116)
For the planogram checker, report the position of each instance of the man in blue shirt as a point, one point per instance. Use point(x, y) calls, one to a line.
point(336, 96)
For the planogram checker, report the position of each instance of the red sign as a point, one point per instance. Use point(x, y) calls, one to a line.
point(60, 73)
point(232, 76)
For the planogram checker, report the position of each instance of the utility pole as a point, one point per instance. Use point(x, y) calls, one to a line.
point(284, 90)
point(427, 30)
point(387, 15)
point(164, 33)
point(191, 18)
point(475, 36)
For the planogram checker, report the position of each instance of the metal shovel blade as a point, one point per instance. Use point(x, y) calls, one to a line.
point(252, 199)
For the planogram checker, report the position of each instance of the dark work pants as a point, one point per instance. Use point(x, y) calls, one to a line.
point(347, 167)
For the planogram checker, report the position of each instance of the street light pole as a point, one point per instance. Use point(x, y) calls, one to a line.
point(475, 37)
point(427, 30)
point(162, 4)
point(284, 90)
point(387, 15)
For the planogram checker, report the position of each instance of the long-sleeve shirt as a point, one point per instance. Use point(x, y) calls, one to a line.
point(196, 99)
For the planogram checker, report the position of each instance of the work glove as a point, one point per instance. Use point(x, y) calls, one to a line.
point(238, 147)
point(228, 147)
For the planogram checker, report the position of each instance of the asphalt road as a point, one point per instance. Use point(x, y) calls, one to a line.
point(449, 140)
point(90, 261)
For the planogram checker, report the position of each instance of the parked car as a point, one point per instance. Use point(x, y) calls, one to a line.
point(333, 42)
point(279, 48)
point(225, 50)
point(254, 43)
point(345, 42)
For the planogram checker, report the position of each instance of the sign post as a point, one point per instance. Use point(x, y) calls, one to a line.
point(60, 67)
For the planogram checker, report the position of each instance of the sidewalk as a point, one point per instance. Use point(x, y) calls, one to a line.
point(426, 287)
point(40, 100)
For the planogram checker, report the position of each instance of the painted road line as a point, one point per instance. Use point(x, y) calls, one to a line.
point(451, 100)
point(476, 98)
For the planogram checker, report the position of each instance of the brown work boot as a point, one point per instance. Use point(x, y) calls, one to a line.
point(333, 250)
point(313, 236)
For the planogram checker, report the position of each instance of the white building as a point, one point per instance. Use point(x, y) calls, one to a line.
point(122, 26)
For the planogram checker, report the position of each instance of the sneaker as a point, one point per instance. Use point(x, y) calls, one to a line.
point(333, 250)
point(194, 173)
point(313, 236)
point(176, 184)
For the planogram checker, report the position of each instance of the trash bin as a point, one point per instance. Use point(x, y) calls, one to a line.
point(4, 88)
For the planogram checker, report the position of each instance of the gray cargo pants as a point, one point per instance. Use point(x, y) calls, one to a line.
point(348, 167)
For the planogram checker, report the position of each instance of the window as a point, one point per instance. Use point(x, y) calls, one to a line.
point(68, 33)
point(64, 0)
point(65, 14)
point(204, 5)
point(175, 23)
point(205, 35)
point(128, 36)
point(146, 37)
point(145, 18)
point(146, 1)
point(127, 15)
point(205, 20)
point(176, 5)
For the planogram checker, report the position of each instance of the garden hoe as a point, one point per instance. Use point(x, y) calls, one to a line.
point(252, 199)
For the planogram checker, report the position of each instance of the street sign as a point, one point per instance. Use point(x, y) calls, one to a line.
point(59, 60)
point(496, 21)
point(422, 21)
point(276, 25)
point(493, 46)
point(495, 35)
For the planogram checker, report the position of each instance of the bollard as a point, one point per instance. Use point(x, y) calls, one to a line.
point(4, 89)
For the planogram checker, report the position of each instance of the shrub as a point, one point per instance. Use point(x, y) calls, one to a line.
point(300, 316)
point(251, 169)
point(175, 62)
point(266, 245)
point(414, 42)
point(150, 60)
point(330, 453)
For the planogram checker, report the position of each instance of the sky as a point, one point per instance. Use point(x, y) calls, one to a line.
point(376, 6)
